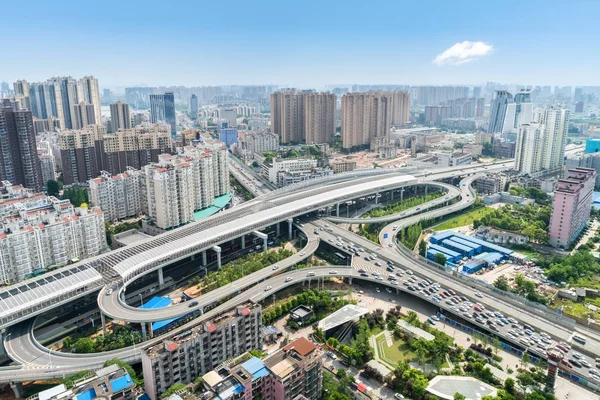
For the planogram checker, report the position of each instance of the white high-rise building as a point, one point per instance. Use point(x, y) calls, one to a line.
point(556, 123)
point(170, 191)
point(88, 91)
point(120, 196)
point(38, 231)
point(528, 157)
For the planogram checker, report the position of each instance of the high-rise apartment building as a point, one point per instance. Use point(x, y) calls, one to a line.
point(556, 128)
point(303, 117)
point(119, 116)
point(21, 89)
point(257, 143)
point(135, 147)
point(88, 92)
point(571, 206)
point(81, 153)
point(319, 117)
point(229, 114)
point(400, 108)
point(186, 356)
point(119, 196)
point(37, 231)
point(528, 154)
point(19, 161)
point(162, 108)
point(70, 98)
point(366, 119)
point(47, 161)
point(82, 115)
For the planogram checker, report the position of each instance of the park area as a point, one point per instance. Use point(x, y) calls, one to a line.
point(391, 350)
point(464, 219)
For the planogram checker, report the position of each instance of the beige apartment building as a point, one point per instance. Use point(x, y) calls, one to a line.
point(366, 119)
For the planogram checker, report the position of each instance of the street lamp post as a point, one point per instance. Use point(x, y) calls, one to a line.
point(142, 298)
point(133, 340)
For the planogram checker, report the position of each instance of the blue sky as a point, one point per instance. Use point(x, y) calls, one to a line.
point(300, 43)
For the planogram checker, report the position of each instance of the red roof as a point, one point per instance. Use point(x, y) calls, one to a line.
point(212, 328)
point(161, 170)
point(172, 346)
point(302, 346)
point(245, 311)
point(361, 387)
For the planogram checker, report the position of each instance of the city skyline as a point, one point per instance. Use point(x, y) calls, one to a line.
point(425, 43)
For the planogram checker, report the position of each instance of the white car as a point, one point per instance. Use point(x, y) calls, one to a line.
point(268, 288)
point(289, 278)
point(275, 267)
point(378, 290)
point(478, 295)
point(333, 272)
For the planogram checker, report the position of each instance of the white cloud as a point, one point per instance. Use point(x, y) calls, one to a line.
point(462, 53)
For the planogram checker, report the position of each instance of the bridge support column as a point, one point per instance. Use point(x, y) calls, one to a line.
point(278, 229)
point(103, 320)
point(17, 388)
point(262, 236)
point(201, 309)
point(150, 329)
point(193, 257)
point(204, 258)
point(376, 198)
point(402, 195)
point(426, 187)
point(392, 195)
point(290, 228)
point(144, 335)
point(243, 242)
point(217, 249)
point(161, 278)
point(337, 212)
point(350, 281)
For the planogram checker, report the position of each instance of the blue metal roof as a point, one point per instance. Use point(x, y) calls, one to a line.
point(443, 235)
point(444, 250)
point(87, 395)
point(121, 383)
point(457, 245)
point(491, 246)
point(465, 242)
point(256, 367)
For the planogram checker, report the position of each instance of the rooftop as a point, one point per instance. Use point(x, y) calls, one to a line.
point(345, 314)
point(445, 387)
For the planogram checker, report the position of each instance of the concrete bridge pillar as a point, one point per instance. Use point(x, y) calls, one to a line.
point(278, 229)
point(392, 195)
point(150, 328)
point(217, 249)
point(103, 320)
point(201, 309)
point(350, 281)
point(426, 187)
point(402, 195)
point(290, 228)
point(204, 258)
point(17, 388)
point(376, 198)
point(193, 257)
point(161, 278)
point(243, 242)
point(144, 335)
point(262, 236)
point(337, 212)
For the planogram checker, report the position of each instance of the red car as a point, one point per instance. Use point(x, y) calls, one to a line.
point(562, 348)
point(477, 308)
point(566, 363)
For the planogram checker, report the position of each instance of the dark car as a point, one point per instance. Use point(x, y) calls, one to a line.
point(193, 304)
point(364, 274)
point(575, 363)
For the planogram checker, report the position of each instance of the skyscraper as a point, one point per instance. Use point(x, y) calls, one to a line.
point(80, 153)
point(83, 114)
point(119, 116)
point(19, 161)
point(366, 119)
point(230, 115)
point(70, 98)
point(162, 108)
point(319, 117)
point(400, 108)
point(498, 111)
point(89, 92)
point(287, 116)
point(556, 127)
point(21, 89)
point(194, 106)
point(528, 157)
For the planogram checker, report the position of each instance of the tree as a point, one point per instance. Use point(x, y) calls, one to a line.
point(458, 396)
point(509, 385)
point(487, 149)
point(255, 164)
point(333, 342)
point(52, 187)
point(440, 258)
point(68, 342)
point(422, 248)
point(83, 345)
point(501, 283)
point(525, 359)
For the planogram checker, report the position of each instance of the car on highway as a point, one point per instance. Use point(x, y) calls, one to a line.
point(311, 274)
point(275, 267)
point(364, 274)
point(268, 288)
point(289, 278)
point(333, 272)
point(193, 304)
point(109, 292)
point(378, 290)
